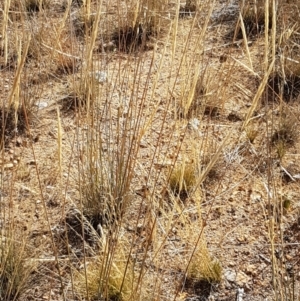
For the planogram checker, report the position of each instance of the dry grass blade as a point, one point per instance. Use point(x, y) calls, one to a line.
point(212, 162)
point(258, 95)
point(245, 41)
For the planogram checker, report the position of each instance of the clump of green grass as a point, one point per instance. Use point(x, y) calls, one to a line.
point(203, 271)
point(208, 270)
point(286, 204)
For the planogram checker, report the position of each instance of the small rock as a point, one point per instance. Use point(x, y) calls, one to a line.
point(230, 275)
point(8, 165)
point(100, 76)
point(239, 294)
point(231, 264)
point(194, 124)
point(19, 141)
point(110, 46)
point(241, 278)
point(42, 105)
point(143, 144)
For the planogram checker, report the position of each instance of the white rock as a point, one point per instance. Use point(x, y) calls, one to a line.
point(100, 76)
point(42, 105)
point(230, 275)
point(194, 124)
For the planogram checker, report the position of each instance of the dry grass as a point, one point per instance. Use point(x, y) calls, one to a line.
point(156, 196)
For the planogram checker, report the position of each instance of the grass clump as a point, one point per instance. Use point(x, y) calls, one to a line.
point(74, 3)
point(183, 180)
point(129, 39)
point(36, 5)
point(29, 6)
point(83, 24)
point(199, 102)
point(210, 270)
point(251, 133)
point(202, 273)
point(106, 277)
point(253, 16)
point(143, 20)
point(15, 270)
point(81, 94)
point(286, 133)
point(286, 203)
point(189, 8)
point(286, 83)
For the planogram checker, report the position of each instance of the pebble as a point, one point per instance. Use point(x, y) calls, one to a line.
point(239, 278)
point(230, 275)
point(194, 124)
point(42, 105)
point(100, 76)
point(8, 165)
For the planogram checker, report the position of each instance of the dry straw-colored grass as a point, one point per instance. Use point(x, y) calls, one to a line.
point(122, 134)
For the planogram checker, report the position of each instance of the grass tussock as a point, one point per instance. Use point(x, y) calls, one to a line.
point(183, 180)
point(83, 24)
point(107, 277)
point(252, 19)
point(130, 39)
point(15, 269)
point(29, 6)
point(285, 84)
point(36, 5)
point(199, 100)
point(205, 269)
point(188, 9)
point(251, 133)
point(143, 20)
point(81, 94)
point(286, 134)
